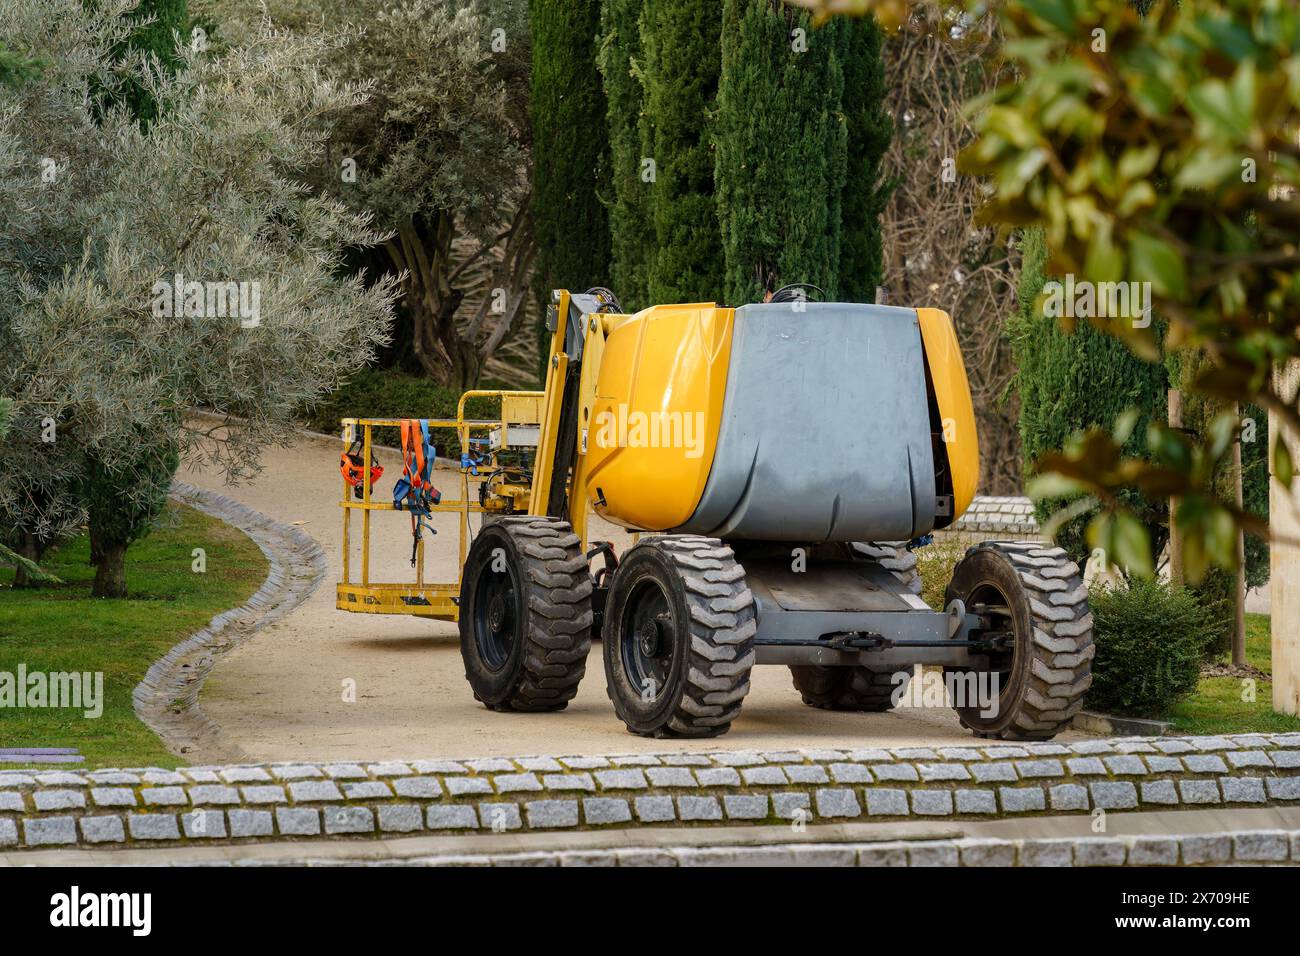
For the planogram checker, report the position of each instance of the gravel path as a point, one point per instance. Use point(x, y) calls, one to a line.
point(284, 694)
point(167, 698)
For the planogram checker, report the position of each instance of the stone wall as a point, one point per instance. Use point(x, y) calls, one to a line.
point(996, 517)
point(203, 805)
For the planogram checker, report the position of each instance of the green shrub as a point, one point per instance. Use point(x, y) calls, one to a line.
point(381, 393)
point(164, 22)
point(934, 563)
point(1150, 640)
point(1216, 594)
point(15, 69)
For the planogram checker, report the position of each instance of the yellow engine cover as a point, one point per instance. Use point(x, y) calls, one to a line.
point(957, 414)
point(654, 421)
point(833, 421)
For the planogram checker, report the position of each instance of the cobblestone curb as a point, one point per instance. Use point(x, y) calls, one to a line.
point(1244, 847)
point(998, 515)
point(167, 699)
point(337, 800)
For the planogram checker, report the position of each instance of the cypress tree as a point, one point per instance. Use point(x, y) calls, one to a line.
point(781, 149)
point(570, 147)
point(680, 43)
point(15, 69)
point(1077, 380)
point(169, 21)
point(628, 194)
point(870, 129)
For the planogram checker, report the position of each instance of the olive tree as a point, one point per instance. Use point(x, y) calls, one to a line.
point(145, 273)
point(21, 563)
point(437, 152)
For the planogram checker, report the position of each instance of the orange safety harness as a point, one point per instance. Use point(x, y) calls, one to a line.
point(353, 469)
point(414, 491)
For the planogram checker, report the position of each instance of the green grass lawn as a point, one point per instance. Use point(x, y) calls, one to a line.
point(1217, 707)
point(62, 628)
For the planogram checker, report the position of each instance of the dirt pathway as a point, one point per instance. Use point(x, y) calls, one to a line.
point(281, 696)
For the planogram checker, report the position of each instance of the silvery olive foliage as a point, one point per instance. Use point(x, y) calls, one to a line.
point(438, 151)
point(97, 213)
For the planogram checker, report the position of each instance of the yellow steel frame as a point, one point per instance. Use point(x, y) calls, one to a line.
point(421, 598)
point(438, 599)
point(557, 365)
point(594, 334)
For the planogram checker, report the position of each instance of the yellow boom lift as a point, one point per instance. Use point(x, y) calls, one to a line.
point(778, 462)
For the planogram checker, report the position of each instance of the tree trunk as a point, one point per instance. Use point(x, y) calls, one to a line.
point(1284, 557)
point(110, 571)
point(421, 251)
point(512, 275)
point(1175, 536)
point(109, 559)
point(29, 548)
point(1239, 582)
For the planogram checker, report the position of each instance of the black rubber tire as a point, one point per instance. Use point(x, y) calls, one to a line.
point(828, 687)
point(1051, 661)
point(709, 621)
point(861, 688)
point(542, 653)
point(893, 556)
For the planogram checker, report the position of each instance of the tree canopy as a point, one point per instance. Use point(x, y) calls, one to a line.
point(142, 273)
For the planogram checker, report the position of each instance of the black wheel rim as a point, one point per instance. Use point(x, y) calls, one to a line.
point(648, 635)
point(994, 603)
point(496, 618)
